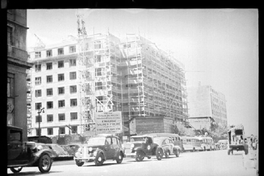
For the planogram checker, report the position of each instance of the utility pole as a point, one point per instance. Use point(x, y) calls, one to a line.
point(41, 110)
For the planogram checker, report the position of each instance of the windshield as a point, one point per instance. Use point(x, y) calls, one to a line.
point(96, 141)
point(134, 139)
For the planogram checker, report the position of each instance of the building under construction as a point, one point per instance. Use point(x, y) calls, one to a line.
point(101, 73)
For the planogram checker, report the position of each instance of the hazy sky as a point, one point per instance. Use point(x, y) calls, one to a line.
point(219, 47)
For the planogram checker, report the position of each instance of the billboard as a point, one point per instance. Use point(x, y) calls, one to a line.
point(108, 122)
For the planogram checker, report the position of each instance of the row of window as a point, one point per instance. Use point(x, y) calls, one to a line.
point(61, 77)
point(61, 91)
point(61, 117)
point(61, 104)
point(49, 65)
point(50, 131)
point(72, 49)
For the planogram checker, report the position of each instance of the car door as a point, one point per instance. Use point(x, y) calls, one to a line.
point(109, 148)
point(15, 145)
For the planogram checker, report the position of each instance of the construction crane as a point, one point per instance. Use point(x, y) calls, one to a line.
point(39, 44)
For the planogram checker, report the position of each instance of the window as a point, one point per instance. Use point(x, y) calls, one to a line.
point(49, 118)
point(72, 49)
point(37, 80)
point(49, 105)
point(61, 117)
point(60, 64)
point(61, 103)
point(98, 86)
point(98, 58)
point(73, 102)
point(38, 54)
point(50, 131)
point(61, 90)
point(38, 119)
point(49, 92)
point(61, 77)
point(97, 45)
point(62, 130)
point(38, 106)
point(60, 51)
point(72, 62)
point(74, 129)
point(49, 53)
point(38, 131)
point(49, 79)
point(99, 72)
point(72, 75)
point(37, 67)
point(37, 93)
point(74, 115)
point(9, 35)
point(73, 89)
point(49, 66)
point(115, 142)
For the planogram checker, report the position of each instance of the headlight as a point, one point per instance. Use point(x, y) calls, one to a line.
point(132, 146)
point(79, 150)
point(95, 153)
point(90, 149)
point(39, 147)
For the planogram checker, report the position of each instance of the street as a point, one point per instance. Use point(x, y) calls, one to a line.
point(210, 163)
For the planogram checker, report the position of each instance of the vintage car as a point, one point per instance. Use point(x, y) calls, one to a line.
point(141, 147)
point(236, 140)
point(24, 154)
point(168, 146)
point(100, 148)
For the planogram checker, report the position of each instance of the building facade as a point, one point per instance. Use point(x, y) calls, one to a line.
point(17, 64)
point(206, 105)
point(99, 73)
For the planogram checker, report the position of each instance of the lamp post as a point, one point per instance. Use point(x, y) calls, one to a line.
point(41, 110)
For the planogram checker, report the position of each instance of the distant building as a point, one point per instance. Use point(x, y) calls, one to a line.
point(206, 105)
point(17, 64)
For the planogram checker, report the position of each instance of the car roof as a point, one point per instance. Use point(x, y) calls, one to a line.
point(105, 135)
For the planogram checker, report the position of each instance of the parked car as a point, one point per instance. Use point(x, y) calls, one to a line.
point(141, 147)
point(168, 146)
point(25, 154)
point(99, 149)
point(60, 152)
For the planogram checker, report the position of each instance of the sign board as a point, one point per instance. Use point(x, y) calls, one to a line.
point(108, 122)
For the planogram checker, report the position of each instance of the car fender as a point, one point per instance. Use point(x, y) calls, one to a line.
point(44, 151)
point(140, 149)
point(118, 151)
point(101, 151)
point(176, 148)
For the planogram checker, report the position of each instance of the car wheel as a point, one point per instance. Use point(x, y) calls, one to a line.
point(193, 149)
point(99, 160)
point(79, 163)
point(177, 153)
point(167, 154)
point(45, 163)
point(140, 155)
point(16, 169)
point(119, 158)
point(159, 153)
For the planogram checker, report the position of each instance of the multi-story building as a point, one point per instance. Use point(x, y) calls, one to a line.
point(17, 64)
point(74, 79)
point(206, 105)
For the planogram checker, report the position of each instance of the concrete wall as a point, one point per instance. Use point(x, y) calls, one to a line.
point(149, 125)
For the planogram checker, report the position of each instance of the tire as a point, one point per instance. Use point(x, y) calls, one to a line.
point(16, 169)
point(177, 153)
point(246, 151)
point(193, 150)
point(119, 158)
point(167, 154)
point(45, 163)
point(99, 160)
point(79, 163)
point(139, 156)
point(159, 153)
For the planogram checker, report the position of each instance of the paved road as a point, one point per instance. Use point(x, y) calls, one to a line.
point(210, 163)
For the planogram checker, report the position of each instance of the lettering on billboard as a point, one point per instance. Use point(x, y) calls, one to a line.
point(108, 122)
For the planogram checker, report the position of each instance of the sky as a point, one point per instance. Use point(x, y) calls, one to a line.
point(218, 47)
